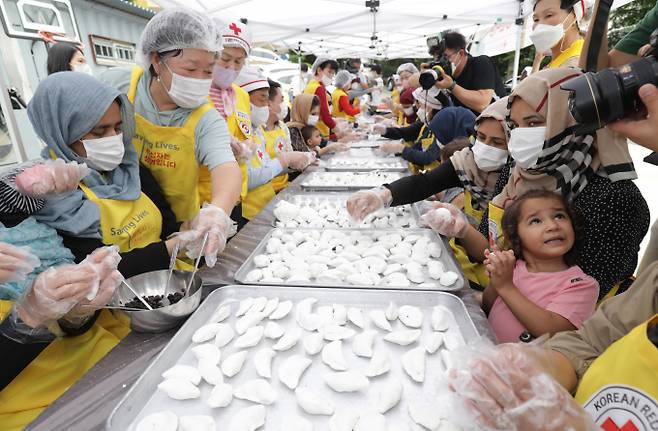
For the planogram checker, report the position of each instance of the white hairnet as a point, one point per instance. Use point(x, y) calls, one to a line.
point(177, 28)
point(343, 78)
point(407, 67)
point(318, 62)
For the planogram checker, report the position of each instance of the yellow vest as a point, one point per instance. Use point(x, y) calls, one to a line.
point(257, 198)
point(571, 52)
point(239, 126)
point(168, 152)
point(402, 120)
point(310, 89)
point(395, 96)
point(620, 388)
point(425, 141)
point(474, 271)
point(275, 144)
point(127, 224)
point(336, 112)
point(56, 369)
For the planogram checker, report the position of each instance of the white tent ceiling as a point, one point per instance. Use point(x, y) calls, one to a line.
point(343, 28)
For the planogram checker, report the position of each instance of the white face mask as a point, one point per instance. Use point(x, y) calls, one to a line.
point(82, 68)
point(327, 81)
point(488, 158)
point(104, 154)
point(525, 145)
point(545, 36)
point(408, 111)
point(187, 92)
point(284, 112)
point(454, 66)
point(313, 120)
point(259, 115)
point(356, 86)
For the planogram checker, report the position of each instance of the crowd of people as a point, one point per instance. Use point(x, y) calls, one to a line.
point(188, 146)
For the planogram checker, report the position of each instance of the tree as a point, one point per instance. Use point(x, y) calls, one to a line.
point(623, 19)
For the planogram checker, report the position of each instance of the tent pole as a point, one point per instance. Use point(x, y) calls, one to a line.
point(517, 52)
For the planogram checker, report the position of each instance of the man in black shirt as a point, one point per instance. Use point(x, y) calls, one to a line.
point(475, 80)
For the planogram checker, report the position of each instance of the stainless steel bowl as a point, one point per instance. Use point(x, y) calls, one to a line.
point(152, 283)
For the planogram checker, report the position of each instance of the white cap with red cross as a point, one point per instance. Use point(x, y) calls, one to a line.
point(237, 35)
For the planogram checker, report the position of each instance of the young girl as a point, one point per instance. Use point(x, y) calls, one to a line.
point(536, 288)
point(313, 140)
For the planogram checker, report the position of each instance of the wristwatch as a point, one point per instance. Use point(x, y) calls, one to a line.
point(452, 86)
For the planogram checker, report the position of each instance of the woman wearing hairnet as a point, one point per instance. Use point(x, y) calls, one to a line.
point(341, 106)
point(177, 129)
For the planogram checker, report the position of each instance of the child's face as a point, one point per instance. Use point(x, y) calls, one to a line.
point(315, 140)
point(545, 228)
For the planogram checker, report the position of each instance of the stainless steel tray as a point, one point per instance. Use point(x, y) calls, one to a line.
point(367, 143)
point(362, 164)
point(330, 181)
point(447, 258)
point(314, 200)
point(143, 398)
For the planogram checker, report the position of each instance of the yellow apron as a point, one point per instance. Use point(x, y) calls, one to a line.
point(474, 271)
point(127, 224)
point(496, 225)
point(239, 126)
point(336, 112)
point(310, 89)
point(257, 198)
point(620, 388)
point(395, 96)
point(168, 152)
point(425, 138)
point(275, 144)
point(573, 51)
point(402, 120)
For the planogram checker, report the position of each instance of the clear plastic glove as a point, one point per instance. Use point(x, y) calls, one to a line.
point(336, 147)
point(296, 160)
point(213, 221)
point(242, 150)
point(55, 292)
point(85, 307)
point(392, 147)
point(104, 261)
point(365, 202)
point(379, 129)
point(447, 220)
point(510, 387)
point(51, 177)
point(16, 263)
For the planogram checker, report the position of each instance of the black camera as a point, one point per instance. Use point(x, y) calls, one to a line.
point(428, 78)
point(600, 98)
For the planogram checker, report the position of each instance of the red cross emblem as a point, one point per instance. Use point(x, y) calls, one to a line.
point(610, 425)
point(260, 154)
point(280, 146)
point(236, 30)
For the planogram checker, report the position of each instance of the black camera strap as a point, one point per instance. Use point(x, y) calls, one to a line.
point(598, 26)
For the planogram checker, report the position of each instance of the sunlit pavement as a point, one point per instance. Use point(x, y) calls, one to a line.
point(648, 184)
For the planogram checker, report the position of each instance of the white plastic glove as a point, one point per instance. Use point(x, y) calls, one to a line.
point(51, 177)
point(379, 129)
point(211, 220)
point(365, 202)
point(447, 220)
point(392, 147)
point(510, 387)
point(337, 147)
point(108, 285)
point(104, 261)
point(55, 292)
point(16, 263)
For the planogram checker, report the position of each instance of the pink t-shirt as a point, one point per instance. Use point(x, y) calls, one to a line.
point(571, 293)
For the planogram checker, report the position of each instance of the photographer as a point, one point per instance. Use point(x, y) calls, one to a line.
point(474, 81)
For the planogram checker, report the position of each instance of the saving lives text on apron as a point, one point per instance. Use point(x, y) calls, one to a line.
point(239, 126)
point(168, 152)
point(258, 197)
point(275, 144)
point(620, 388)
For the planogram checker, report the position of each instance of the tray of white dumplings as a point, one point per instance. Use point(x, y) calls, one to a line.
point(343, 181)
point(365, 164)
point(409, 259)
point(329, 210)
point(287, 359)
